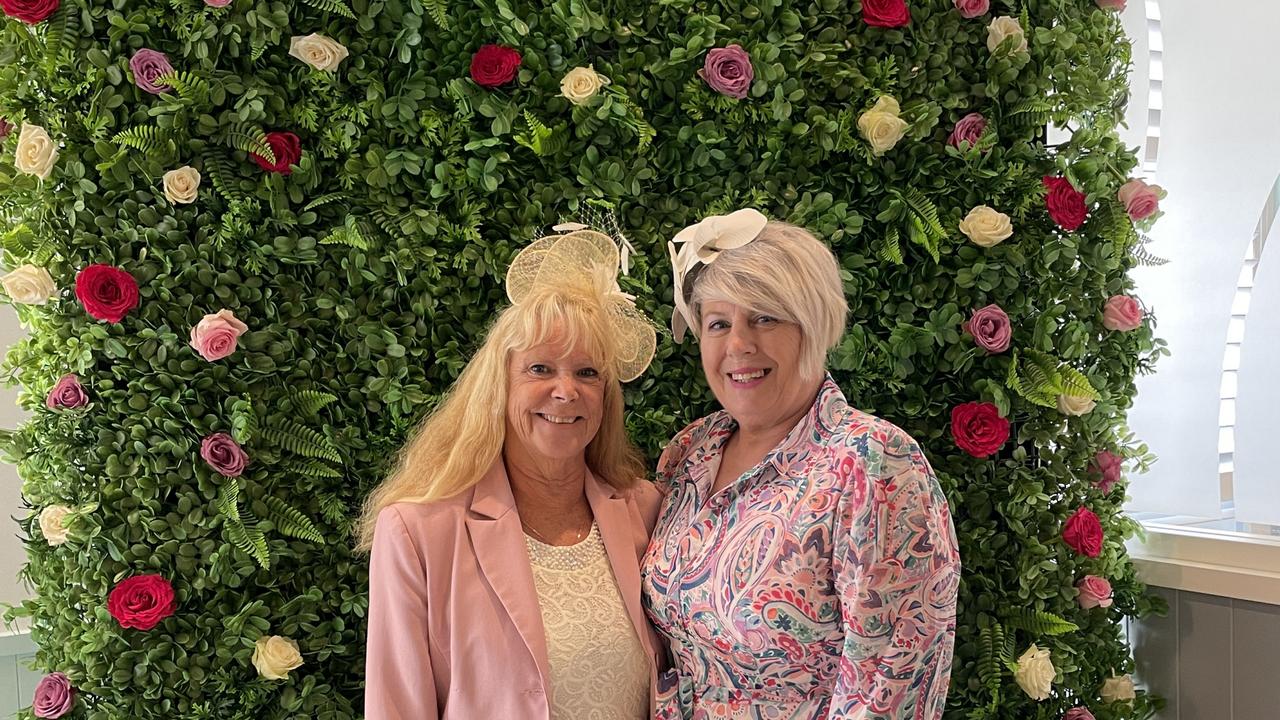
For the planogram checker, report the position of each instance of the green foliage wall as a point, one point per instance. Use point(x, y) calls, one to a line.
point(366, 275)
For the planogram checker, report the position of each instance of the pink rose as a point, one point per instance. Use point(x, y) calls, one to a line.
point(54, 697)
point(1121, 313)
point(215, 336)
point(67, 394)
point(217, 3)
point(1080, 713)
point(224, 454)
point(6, 127)
point(148, 66)
point(990, 329)
point(1140, 200)
point(1113, 5)
point(1105, 470)
point(972, 8)
point(1093, 591)
point(968, 129)
point(728, 71)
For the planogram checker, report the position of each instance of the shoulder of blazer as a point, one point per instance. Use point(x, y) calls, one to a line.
point(426, 521)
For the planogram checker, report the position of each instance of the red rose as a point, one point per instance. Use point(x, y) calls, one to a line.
point(978, 428)
point(885, 13)
point(494, 65)
point(107, 293)
point(1065, 203)
point(287, 149)
point(29, 11)
point(141, 601)
point(1083, 533)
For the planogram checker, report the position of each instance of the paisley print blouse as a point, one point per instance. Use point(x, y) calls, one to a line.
point(821, 584)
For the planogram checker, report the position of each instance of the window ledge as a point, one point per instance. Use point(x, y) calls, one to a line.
point(1214, 562)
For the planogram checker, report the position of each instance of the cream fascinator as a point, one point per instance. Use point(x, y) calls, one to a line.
point(590, 259)
point(699, 246)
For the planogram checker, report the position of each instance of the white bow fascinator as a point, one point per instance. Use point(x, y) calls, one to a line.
point(699, 245)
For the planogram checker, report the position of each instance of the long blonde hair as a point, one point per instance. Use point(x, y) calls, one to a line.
point(454, 446)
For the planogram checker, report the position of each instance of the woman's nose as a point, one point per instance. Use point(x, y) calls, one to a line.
point(741, 341)
point(565, 388)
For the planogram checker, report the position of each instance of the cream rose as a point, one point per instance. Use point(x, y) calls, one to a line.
point(181, 185)
point(1035, 673)
point(1004, 27)
point(1117, 689)
point(36, 151)
point(53, 523)
point(29, 285)
point(275, 656)
point(1075, 404)
point(881, 125)
point(986, 227)
point(318, 51)
point(581, 84)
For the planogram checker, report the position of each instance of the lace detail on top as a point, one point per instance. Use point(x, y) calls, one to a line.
point(598, 667)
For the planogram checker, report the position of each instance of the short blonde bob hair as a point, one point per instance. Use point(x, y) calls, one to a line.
point(454, 446)
point(785, 272)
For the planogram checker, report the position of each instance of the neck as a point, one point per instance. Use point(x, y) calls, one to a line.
point(546, 486)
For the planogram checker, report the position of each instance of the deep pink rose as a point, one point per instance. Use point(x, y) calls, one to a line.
point(54, 696)
point(147, 65)
point(217, 3)
point(286, 147)
point(1080, 713)
point(107, 293)
point(1122, 313)
point(142, 601)
point(728, 71)
point(67, 394)
point(224, 454)
point(1083, 532)
point(1105, 470)
point(214, 337)
point(495, 65)
point(973, 8)
point(885, 13)
point(990, 329)
point(978, 428)
point(6, 127)
point(1140, 200)
point(1093, 591)
point(1065, 203)
point(968, 129)
point(1114, 5)
point(29, 11)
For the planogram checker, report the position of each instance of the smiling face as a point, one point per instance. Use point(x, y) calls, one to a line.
point(555, 403)
point(752, 363)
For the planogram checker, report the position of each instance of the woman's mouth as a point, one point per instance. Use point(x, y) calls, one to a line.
point(559, 419)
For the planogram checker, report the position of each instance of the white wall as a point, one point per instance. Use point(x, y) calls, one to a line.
point(12, 554)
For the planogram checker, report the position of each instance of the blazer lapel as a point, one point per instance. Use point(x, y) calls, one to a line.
point(624, 543)
point(496, 535)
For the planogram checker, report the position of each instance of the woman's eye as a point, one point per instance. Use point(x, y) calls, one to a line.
point(766, 320)
point(589, 372)
point(717, 325)
point(539, 369)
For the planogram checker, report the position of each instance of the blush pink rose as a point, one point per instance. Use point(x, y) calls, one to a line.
point(1114, 5)
point(67, 394)
point(217, 3)
point(1093, 592)
point(1079, 713)
point(990, 329)
point(1122, 313)
point(968, 129)
point(973, 8)
point(215, 335)
point(1105, 470)
point(224, 454)
point(1140, 200)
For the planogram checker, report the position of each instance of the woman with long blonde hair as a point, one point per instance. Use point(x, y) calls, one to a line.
point(504, 574)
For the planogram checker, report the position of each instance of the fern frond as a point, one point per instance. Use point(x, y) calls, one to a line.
point(333, 509)
point(229, 500)
point(310, 402)
point(541, 139)
point(244, 421)
point(1072, 382)
point(924, 209)
point(312, 468)
point(1038, 622)
point(325, 200)
point(438, 11)
point(348, 235)
point(222, 175)
point(300, 440)
point(63, 32)
point(990, 666)
point(337, 7)
point(187, 85)
point(250, 139)
point(1145, 257)
point(461, 92)
point(1034, 382)
point(18, 242)
point(889, 248)
point(257, 48)
point(251, 541)
point(146, 138)
point(290, 521)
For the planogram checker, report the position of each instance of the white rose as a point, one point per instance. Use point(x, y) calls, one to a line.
point(1003, 27)
point(181, 185)
point(36, 151)
point(1075, 404)
point(1118, 689)
point(318, 51)
point(29, 285)
point(275, 656)
point(581, 84)
point(881, 125)
point(1035, 673)
point(53, 523)
point(986, 227)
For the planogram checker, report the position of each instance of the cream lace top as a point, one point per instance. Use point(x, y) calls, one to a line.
point(598, 667)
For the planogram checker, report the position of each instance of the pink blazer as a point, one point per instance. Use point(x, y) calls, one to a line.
point(455, 630)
